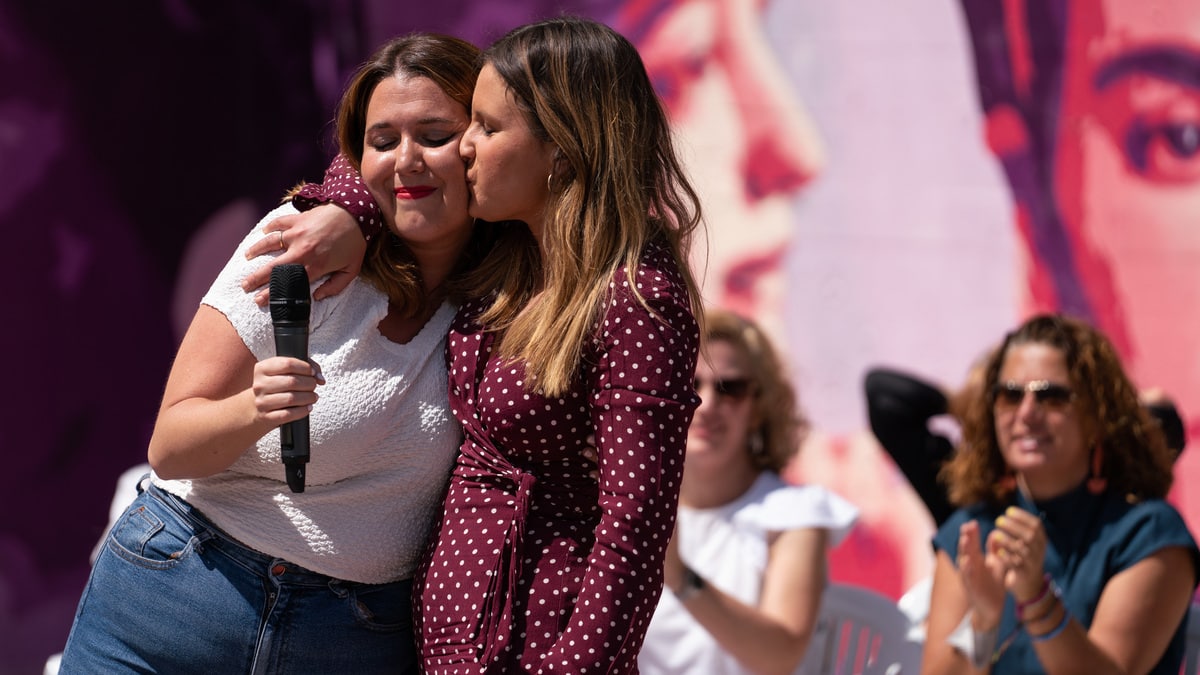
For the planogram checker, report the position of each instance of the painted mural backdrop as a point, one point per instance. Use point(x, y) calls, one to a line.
point(886, 182)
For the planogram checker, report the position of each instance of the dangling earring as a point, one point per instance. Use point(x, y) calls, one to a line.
point(1096, 482)
point(1007, 483)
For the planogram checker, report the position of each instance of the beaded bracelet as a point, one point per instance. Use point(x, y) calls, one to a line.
point(1062, 625)
point(1025, 620)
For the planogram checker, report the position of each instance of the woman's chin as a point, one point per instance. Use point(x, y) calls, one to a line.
point(1027, 461)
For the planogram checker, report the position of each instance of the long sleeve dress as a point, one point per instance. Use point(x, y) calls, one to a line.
point(535, 566)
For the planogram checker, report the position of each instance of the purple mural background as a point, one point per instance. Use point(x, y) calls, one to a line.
point(885, 183)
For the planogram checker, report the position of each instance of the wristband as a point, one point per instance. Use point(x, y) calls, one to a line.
point(1062, 625)
point(979, 647)
point(1022, 606)
point(1026, 620)
point(1055, 592)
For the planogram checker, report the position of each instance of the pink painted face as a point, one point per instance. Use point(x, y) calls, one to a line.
point(411, 164)
point(1127, 181)
point(745, 138)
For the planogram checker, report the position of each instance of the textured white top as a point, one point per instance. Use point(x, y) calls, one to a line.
point(727, 546)
point(382, 439)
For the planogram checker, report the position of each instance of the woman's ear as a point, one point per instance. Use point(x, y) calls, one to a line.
point(561, 167)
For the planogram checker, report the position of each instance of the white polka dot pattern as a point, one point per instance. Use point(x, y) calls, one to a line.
point(343, 186)
point(535, 567)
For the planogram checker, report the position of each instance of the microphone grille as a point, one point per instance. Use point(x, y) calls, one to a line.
point(290, 299)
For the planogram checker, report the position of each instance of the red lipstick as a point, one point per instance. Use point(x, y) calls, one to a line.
point(413, 192)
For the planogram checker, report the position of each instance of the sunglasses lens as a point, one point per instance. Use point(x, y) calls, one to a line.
point(1011, 394)
point(732, 388)
point(1054, 395)
point(735, 388)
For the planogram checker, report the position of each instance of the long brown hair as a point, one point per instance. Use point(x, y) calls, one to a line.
point(583, 87)
point(1136, 459)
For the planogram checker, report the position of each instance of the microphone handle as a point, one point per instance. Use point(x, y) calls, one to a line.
point(292, 340)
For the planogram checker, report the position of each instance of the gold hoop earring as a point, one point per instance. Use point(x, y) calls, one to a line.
point(549, 178)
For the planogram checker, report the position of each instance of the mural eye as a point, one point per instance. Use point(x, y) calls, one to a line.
point(1184, 139)
point(672, 79)
point(1167, 152)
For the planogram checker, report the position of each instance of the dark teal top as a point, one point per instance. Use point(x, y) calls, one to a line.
point(1091, 539)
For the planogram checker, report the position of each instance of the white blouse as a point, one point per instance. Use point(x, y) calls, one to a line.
point(727, 546)
point(383, 440)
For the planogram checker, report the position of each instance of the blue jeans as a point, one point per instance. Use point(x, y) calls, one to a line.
point(170, 593)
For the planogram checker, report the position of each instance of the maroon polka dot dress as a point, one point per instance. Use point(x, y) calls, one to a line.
point(536, 567)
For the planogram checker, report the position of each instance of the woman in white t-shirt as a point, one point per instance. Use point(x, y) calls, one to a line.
point(219, 566)
point(746, 568)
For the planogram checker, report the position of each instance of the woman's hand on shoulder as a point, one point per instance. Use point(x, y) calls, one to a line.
point(326, 240)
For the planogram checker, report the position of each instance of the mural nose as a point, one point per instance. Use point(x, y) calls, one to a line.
point(770, 168)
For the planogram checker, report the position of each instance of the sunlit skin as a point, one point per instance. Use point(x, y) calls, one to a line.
point(1127, 183)
point(747, 141)
point(507, 166)
point(411, 166)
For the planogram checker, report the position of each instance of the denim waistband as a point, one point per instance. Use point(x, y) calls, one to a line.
point(209, 535)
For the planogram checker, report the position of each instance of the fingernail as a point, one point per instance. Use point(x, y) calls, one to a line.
point(1000, 521)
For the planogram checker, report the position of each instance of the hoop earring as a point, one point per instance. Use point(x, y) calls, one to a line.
point(549, 177)
point(1096, 482)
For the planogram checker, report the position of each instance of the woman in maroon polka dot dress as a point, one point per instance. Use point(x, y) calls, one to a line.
point(590, 331)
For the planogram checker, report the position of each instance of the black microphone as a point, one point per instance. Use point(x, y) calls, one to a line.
point(290, 307)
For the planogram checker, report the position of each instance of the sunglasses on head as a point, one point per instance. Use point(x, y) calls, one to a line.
point(1011, 394)
point(734, 388)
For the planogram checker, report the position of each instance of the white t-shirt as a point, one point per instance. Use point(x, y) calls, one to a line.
point(727, 546)
point(382, 439)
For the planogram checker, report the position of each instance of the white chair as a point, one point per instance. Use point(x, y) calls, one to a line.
point(861, 632)
point(1191, 652)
